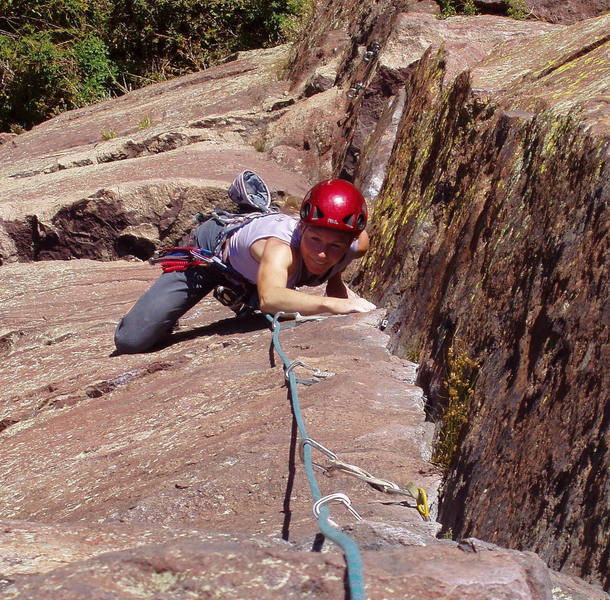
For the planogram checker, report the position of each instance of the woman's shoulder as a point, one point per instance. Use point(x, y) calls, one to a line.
point(280, 219)
point(278, 225)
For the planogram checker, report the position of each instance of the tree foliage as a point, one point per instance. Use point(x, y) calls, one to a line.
point(450, 8)
point(62, 54)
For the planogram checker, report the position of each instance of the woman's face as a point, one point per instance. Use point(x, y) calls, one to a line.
point(323, 248)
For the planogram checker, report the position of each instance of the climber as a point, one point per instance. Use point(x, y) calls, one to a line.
point(274, 253)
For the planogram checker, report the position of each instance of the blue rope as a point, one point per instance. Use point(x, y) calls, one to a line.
point(355, 576)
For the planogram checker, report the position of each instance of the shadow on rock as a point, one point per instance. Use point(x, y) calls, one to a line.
point(229, 326)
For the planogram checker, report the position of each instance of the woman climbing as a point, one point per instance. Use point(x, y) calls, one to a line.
point(274, 252)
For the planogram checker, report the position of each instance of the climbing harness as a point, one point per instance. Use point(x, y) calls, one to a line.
point(180, 258)
point(237, 293)
point(231, 223)
point(248, 190)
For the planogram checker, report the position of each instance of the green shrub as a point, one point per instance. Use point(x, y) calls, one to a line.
point(96, 72)
point(296, 19)
point(145, 122)
point(450, 8)
point(161, 38)
point(518, 9)
point(44, 73)
point(62, 54)
point(462, 373)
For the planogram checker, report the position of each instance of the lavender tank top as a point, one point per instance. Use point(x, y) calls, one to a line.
point(286, 229)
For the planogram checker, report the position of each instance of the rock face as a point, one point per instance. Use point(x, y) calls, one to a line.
point(565, 11)
point(466, 42)
point(176, 473)
point(482, 146)
point(490, 242)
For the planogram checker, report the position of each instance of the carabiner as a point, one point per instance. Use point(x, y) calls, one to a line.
point(311, 442)
point(337, 497)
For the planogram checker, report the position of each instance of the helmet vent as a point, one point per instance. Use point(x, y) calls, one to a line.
point(349, 220)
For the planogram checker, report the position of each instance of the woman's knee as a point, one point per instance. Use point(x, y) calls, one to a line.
point(133, 340)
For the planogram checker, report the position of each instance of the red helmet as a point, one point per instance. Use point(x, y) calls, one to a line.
point(335, 204)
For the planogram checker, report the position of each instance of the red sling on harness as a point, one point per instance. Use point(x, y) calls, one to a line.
point(178, 258)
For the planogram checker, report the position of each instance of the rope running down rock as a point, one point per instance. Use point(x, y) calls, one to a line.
point(353, 559)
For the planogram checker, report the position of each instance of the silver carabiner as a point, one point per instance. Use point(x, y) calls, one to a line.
point(337, 497)
point(360, 473)
point(370, 53)
point(299, 363)
point(311, 442)
point(291, 366)
point(353, 91)
point(276, 317)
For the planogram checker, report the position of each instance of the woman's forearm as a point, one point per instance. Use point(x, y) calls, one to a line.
point(287, 300)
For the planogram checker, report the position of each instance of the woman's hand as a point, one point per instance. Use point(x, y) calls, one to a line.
point(354, 304)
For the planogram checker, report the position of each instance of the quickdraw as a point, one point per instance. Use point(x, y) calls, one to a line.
point(180, 258)
point(383, 485)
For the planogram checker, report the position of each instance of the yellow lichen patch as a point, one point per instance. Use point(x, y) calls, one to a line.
point(462, 373)
point(413, 349)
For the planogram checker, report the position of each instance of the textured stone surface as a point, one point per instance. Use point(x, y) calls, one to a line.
point(237, 91)
point(565, 71)
point(175, 472)
point(30, 548)
point(491, 239)
point(99, 211)
point(465, 40)
point(402, 31)
point(566, 11)
point(565, 587)
point(313, 125)
point(233, 568)
point(67, 191)
point(175, 413)
point(197, 434)
point(138, 451)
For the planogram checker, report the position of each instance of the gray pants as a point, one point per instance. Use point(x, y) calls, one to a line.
point(154, 315)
